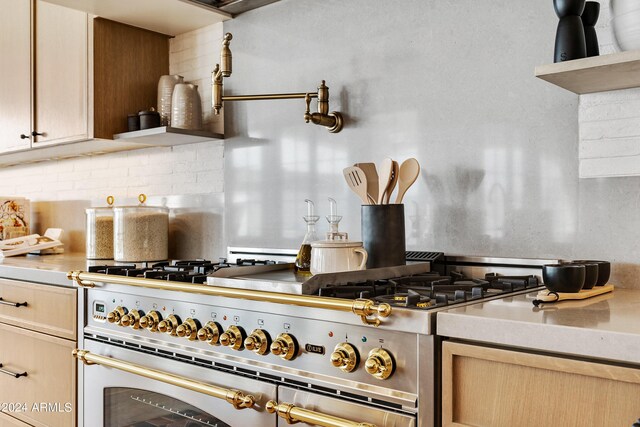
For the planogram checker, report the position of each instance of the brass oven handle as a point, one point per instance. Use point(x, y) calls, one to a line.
point(294, 414)
point(12, 374)
point(370, 312)
point(13, 304)
point(238, 399)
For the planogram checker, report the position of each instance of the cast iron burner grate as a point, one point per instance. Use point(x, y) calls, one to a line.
point(431, 290)
point(188, 271)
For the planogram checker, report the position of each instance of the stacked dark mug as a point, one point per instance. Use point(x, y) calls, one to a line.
point(573, 276)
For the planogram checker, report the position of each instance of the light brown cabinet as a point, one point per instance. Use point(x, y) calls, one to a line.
point(44, 75)
point(68, 77)
point(483, 386)
point(37, 372)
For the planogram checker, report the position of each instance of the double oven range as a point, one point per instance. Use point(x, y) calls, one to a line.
point(168, 345)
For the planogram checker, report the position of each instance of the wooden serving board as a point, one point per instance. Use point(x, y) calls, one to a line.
point(547, 296)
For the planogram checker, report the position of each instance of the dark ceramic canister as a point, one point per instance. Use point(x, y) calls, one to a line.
point(133, 122)
point(570, 39)
point(149, 119)
point(589, 19)
point(590, 273)
point(383, 235)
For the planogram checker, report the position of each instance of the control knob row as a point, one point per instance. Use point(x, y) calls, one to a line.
point(259, 341)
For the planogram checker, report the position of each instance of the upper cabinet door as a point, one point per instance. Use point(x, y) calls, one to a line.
point(61, 74)
point(15, 75)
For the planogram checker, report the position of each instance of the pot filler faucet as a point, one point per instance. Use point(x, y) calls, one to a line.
point(331, 120)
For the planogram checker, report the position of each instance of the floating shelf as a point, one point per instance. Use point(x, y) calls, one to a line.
point(165, 136)
point(596, 74)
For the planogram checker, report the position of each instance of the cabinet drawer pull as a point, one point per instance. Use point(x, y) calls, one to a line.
point(34, 133)
point(23, 136)
point(13, 374)
point(13, 304)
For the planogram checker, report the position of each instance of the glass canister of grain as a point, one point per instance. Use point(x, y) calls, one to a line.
point(100, 231)
point(141, 233)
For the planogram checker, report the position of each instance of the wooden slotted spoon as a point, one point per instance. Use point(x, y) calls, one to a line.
point(371, 173)
point(357, 182)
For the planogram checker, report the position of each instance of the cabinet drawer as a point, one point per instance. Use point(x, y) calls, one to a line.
point(8, 421)
point(48, 390)
point(484, 386)
point(49, 309)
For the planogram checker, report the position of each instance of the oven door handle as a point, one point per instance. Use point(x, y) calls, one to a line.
point(238, 399)
point(370, 312)
point(294, 414)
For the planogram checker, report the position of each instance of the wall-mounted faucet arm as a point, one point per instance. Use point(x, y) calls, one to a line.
point(333, 121)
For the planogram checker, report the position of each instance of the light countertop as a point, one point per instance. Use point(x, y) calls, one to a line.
point(49, 269)
point(603, 327)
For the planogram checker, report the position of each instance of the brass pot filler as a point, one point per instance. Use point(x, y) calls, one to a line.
point(331, 120)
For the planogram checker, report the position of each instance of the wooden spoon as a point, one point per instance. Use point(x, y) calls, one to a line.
point(409, 172)
point(357, 182)
point(371, 173)
point(384, 176)
point(393, 179)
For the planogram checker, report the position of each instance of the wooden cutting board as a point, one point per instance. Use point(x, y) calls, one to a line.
point(546, 295)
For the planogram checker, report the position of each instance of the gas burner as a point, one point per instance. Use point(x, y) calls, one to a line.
point(406, 299)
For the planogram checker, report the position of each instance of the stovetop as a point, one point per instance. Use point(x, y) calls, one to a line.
point(419, 291)
point(189, 271)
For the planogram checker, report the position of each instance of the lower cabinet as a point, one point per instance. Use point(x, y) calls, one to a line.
point(483, 386)
point(9, 421)
point(37, 369)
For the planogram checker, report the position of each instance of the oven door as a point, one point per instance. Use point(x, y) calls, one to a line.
point(125, 388)
point(297, 405)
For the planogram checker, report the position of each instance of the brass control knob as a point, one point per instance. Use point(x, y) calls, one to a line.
point(116, 315)
point(132, 319)
point(233, 337)
point(346, 357)
point(380, 363)
point(210, 332)
point(189, 329)
point(285, 346)
point(150, 321)
point(169, 325)
point(258, 342)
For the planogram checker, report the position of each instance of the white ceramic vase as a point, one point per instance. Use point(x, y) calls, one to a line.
point(186, 107)
point(165, 93)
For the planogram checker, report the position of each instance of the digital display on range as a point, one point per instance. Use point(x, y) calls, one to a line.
point(99, 308)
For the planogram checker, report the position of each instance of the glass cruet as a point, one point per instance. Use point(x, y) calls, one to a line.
point(303, 260)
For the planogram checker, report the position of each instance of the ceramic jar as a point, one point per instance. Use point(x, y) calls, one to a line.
point(166, 85)
point(331, 256)
point(186, 107)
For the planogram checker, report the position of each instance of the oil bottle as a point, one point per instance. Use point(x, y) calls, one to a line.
point(303, 260)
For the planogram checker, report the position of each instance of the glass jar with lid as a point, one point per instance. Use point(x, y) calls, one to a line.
point(141, 233)
point(99, 228)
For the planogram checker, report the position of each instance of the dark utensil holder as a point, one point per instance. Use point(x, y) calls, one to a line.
point(383, 235)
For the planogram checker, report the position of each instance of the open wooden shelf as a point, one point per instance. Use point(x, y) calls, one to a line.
point(596, 74)
point(164, 136)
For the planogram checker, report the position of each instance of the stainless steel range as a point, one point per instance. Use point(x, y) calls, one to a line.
point(343, 349)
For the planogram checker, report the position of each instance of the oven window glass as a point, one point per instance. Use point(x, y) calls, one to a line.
point(130, 407)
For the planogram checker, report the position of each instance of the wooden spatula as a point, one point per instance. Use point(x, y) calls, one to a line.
point(371, 173)
point(357, 182)
point(393, 180)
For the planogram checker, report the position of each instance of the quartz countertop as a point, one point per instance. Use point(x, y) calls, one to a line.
point(49, 269)
point(603, 327)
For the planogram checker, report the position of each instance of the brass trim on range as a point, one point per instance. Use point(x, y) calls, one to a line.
point(370, 313)
point(294, 414)
point(238, 399)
